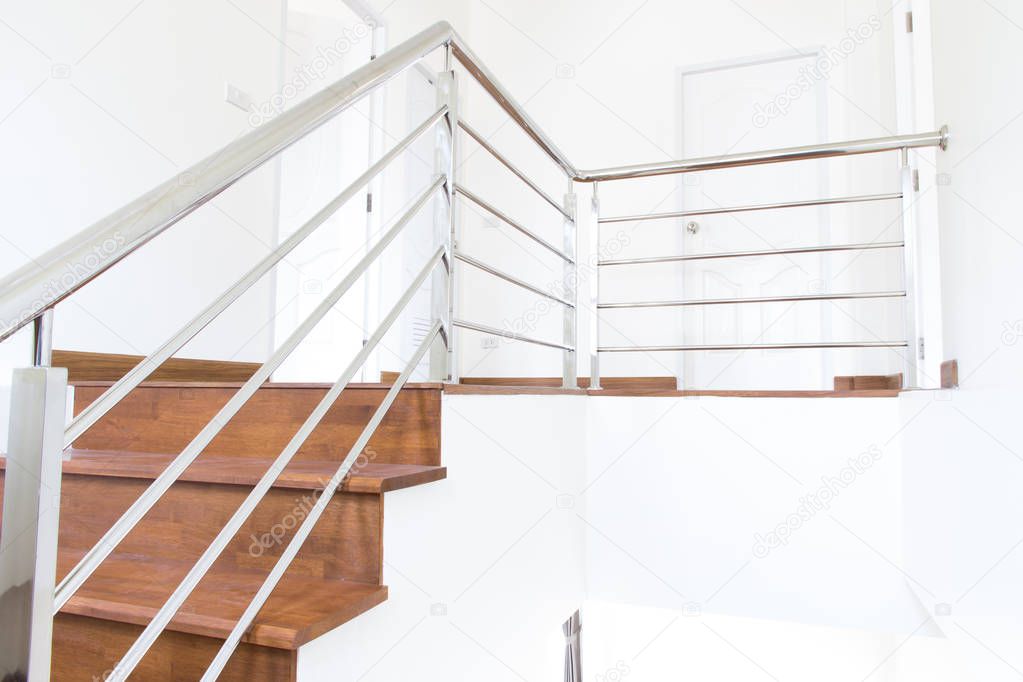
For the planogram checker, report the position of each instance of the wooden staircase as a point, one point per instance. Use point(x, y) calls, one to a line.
point(336, 576)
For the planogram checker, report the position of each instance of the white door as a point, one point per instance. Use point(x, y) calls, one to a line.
point(720, 108)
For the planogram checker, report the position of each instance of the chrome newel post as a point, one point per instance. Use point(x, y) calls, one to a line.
point(595, 292)
point(570, 273)
point(910, 237)
point(28, 544)
point(443, 358)
point(42, 339)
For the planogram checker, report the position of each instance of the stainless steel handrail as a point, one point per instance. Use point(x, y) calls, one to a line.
point(755, 346)
point(484, 329)
point(865, 246)
point(304, 530)
point(36, 286)
point(482, 141)
point(480, 265)
point(148, 637)
point(754, 207)
point(755, 299)
point(95, 556)
point(787, 154)
point(503, 217)
point(113, 395)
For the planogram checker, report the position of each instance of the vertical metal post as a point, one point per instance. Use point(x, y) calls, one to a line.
point(570, 275)
point(443, 358)
point(595, 291)
point(372, 280)
point(42, 339)
point(571, 628)
point(28, 540)
point(910, 237)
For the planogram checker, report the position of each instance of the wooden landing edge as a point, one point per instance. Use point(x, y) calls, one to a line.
point(950, 374)
point(659, 387)
point(879, 393)
point(869, 382)
point(470, 389)
point(461, 389)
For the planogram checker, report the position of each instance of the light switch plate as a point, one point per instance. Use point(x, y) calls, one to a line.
point(238, 97)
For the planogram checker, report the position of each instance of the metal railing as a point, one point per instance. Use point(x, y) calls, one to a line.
point(39, 433)
point(908, 244)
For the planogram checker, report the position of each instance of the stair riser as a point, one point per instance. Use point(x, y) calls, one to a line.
point(86, 649)
point(346, 542)
point(166, 418)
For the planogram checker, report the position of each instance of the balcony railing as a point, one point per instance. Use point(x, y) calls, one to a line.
point(29, 297)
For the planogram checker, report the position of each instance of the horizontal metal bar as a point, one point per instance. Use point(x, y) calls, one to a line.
point(867, 246)
point(43, 282)
point(151, 495)
point(489, 208)
point(758, 299)
point(474, 134)
point(754, 346)
point(755, 207)
point(148, 637)
point(484, 329)
point(509, 278)
point(309, 522)
point(113, 395)
point(818, 151)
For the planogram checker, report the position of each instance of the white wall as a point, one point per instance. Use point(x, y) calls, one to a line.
point(100, 103)
point(643, 644)
point(660, 523)
point(749, 507)
point(482, 567)
point(963, 469)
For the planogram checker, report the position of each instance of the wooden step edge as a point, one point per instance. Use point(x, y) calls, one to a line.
point(90, 366)
point(349, 600)
point(366, 477)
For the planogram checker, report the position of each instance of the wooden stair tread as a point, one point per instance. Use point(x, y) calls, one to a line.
point(303, 475)
point(131, 588)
